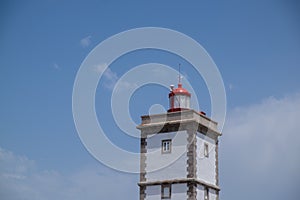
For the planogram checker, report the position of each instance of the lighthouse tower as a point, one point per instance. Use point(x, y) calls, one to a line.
point(179, 152)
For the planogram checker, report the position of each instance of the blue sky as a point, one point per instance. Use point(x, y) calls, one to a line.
point(255, 44)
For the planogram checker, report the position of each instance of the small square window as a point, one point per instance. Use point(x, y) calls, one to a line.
point(206, 194)
point(166, 146)
point(206, 152)
point(166, 191)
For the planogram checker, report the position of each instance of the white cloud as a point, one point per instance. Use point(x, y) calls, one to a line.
point(259, 158)
point(85, 42)
point(21, 179)
point(260, 146)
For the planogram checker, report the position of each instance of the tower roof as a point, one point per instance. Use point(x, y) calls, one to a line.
point(179, 91)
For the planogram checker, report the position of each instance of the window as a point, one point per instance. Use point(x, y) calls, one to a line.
point(166, 146)
point(206, 194)
point(166, 191)
point(181, 101)
point(206, 150)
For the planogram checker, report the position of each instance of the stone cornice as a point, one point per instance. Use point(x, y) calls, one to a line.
point(181, 118)
point(184, 180)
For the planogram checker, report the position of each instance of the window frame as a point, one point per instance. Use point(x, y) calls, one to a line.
point(163, 151)
point(206, 150)
point(206, 193)
point(168, 196)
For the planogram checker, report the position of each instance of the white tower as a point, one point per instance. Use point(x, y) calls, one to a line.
point(179, 153)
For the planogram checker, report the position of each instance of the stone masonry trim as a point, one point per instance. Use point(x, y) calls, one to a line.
point(217, 162)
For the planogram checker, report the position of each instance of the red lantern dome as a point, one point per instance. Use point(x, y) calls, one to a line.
point(179, 99)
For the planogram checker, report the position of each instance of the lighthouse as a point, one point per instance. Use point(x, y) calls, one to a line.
point(179, 152)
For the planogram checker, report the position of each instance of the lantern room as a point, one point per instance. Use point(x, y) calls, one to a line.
point(179, 98)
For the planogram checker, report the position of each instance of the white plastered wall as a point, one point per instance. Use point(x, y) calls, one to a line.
point(206, 166)
point(166, 166)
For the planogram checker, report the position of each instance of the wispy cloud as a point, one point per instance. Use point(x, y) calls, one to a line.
point(85, 42)
point(111, 78)
point(100, 68)
point(260, 146)
point(20, 178)
point(56, 66)
point(110, 75)
point(231, 86)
